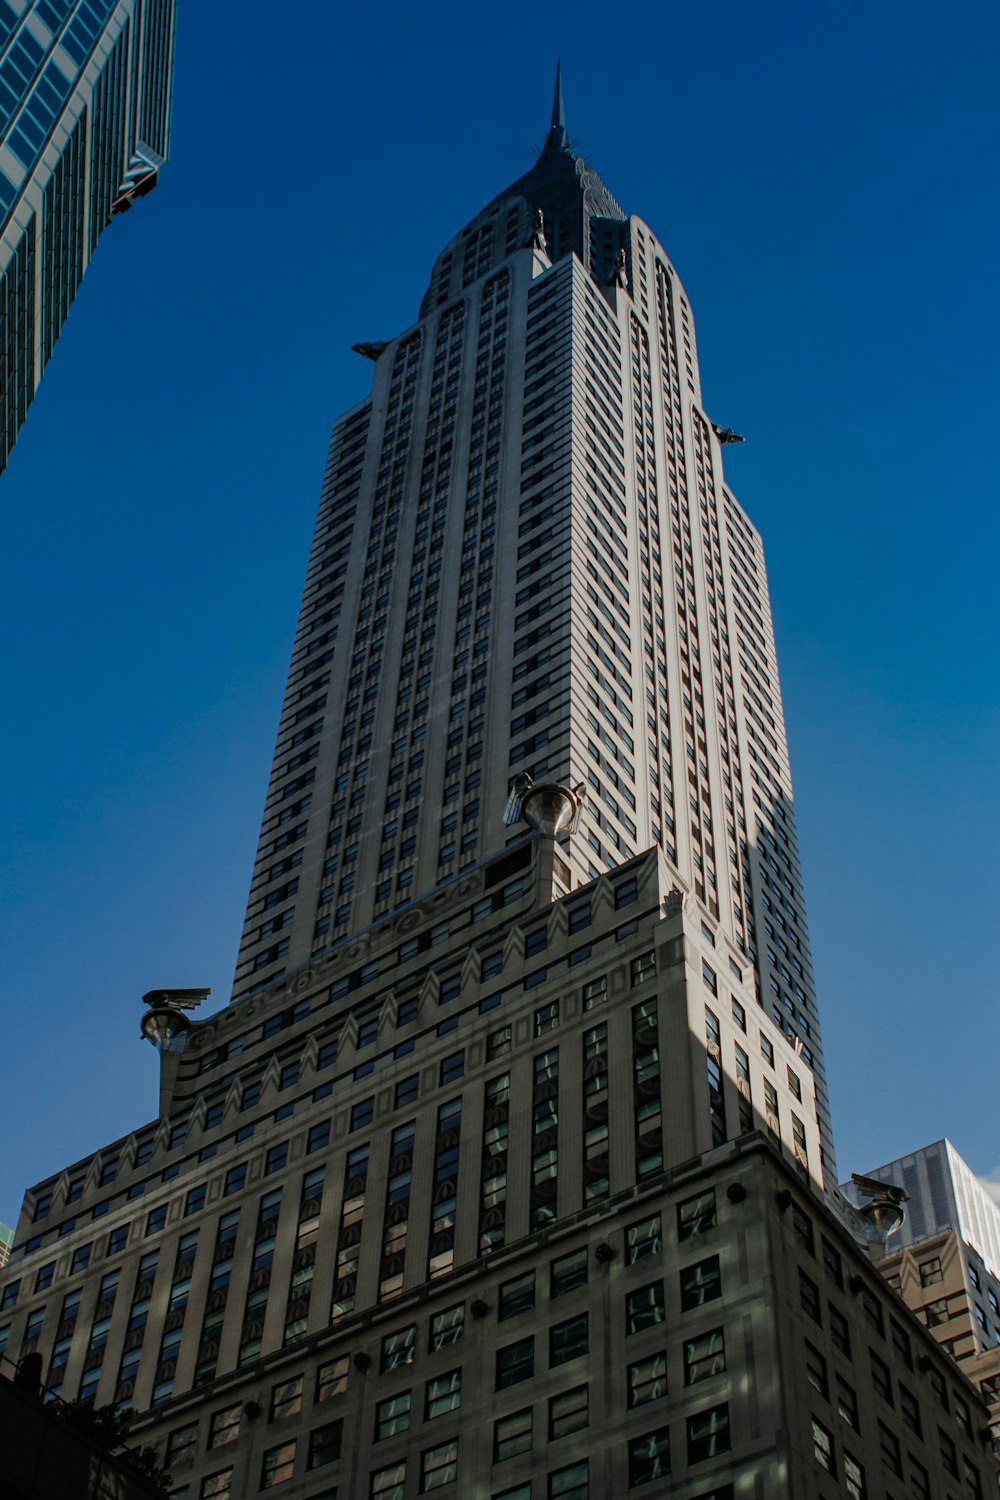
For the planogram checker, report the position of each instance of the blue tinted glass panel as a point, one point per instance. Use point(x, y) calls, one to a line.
point(39, 114)
point(17, 70)
point(83, 31)
point(53, 12)
point(8, 20)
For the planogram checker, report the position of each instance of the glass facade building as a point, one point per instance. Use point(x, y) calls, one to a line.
point(85, 93)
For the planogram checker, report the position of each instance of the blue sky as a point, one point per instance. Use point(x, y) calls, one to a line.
point(824, 180)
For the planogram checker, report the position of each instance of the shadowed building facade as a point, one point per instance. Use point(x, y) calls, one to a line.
point(85, 88)
point(507, 1169)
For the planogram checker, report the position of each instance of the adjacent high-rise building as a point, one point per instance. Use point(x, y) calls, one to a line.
point(507, 1170)
point(85, 88)
point(944, 1260)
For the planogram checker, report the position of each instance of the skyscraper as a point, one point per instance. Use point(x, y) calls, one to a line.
point(85, 90)
point(527, 560)
point(504, 1168)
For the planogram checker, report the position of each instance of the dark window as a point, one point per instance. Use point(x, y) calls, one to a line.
point(515, 1363)
point(517, 1296)
point(567, 1273)
point(708, 1434)
point(568, 1412)
point(276, 1158)
point(644, 1239)
point(645, 1307)
point(647, 1379)
point(696, 1215)
point(700, 1283)
point(704, 1356)
point(809, 1297)
point(512, 1435)
point(325, 1444)
point(568, 1340)
point(649, 1457)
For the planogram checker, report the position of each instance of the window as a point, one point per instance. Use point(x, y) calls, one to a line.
point(647, 1379)
point(809, 1297)
point(516, 1296)
point(512, 1435)
point(515, 1363)
point(452, 1067)
point(649, 1457)
point(439, 1466)
point(81, 1258)
point(567, 1273)
point(847, 1403)
point(362, 1113)
point(881, 1378)
point(909, 1410)
point(498, 1042)
point(696, 1215)
point(833, 1264)
point(117, 1240)
point(398, 1348)
point(889, 1447)
point(319, 1136)
point(816, 1371)
point(235, 1179)
point(278, 1465)
point(443, 1394)
point(181, 1444)
point(568, 1340)
point(195, 1199)
point(920, 1484)
point(708, 1434)
point(156, 1219)
point(854, 1479)
point(823, 1447)
point(407, 1089)
point(547, 1018)
point(224, 1425)
point(331, 1379)
point(839, 1332)
point(644, 1239)
point(389, 1483)
point(276, 1158)
point(930, 1271)
point(802, 1228)
point(325, 1444)
point(286, 1399)
point(447, 1327)
point(643, 968)
point(547, 1065)
point(704, 1356)
point(572, 1483)
point(569, 1412)
point(645, 1307)
point(217, 1486)
point(948, 1455)
point(700, 1283)
point(44, 1276)
point(392, 1415)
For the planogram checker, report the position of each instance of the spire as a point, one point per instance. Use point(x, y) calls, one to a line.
point(558, 133)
